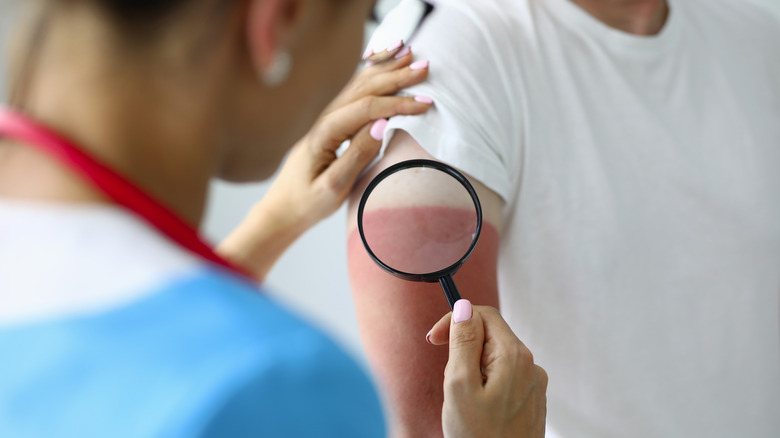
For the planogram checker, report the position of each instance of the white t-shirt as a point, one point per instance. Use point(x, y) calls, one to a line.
point(640, 258)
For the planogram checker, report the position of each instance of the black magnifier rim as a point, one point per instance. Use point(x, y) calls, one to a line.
point(430, 277)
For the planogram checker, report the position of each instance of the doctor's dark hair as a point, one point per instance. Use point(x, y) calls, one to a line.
point(140, 9)
point(136, 10)
point(142, 20)
point(138, 24)
point(147, 14)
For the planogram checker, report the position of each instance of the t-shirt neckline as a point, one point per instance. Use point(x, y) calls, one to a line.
point(574, 17)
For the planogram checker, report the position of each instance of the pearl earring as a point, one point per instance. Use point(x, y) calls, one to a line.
point(279, 70)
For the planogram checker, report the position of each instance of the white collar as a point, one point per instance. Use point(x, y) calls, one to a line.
point(59, 260)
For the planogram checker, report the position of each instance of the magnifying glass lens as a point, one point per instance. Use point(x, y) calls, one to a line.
point(420, 221)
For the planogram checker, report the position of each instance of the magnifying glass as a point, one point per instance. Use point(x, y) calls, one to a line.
point(420, 221)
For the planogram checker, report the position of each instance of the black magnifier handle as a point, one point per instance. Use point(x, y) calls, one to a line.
point(450, 290)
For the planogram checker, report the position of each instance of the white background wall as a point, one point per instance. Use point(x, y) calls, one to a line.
point(312, 275)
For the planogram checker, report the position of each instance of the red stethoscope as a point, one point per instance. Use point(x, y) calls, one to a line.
point(116, 187)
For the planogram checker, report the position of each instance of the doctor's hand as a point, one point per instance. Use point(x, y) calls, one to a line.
point(492, 388)
point(314, 181)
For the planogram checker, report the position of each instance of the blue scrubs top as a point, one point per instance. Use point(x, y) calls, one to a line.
point(204, 355)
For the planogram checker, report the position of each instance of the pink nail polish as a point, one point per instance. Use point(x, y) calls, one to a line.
point(462, 311)
point(428, 337)
point(378, 129)
point(424, 99)
point(370, 63)
point(369, 52)
point(396, 45)
point(419, 65)
point(403, 52)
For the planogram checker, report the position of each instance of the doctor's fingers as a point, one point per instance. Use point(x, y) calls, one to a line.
point(511, 376)
point(398, 55)
point(341, 175)
point(505, 360)
point(514, 388)
point(380, 80)
point(389, 82)
point(440, 333)
point(343, 123)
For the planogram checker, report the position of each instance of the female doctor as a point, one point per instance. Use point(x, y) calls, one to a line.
point(116, 319)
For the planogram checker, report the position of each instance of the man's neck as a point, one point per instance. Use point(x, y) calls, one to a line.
point(638, 17)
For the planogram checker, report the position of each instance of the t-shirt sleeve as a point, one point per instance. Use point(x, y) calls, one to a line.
point(476, 122)
point(312, 390)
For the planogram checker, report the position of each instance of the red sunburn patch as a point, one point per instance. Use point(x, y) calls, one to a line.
point(420, 240)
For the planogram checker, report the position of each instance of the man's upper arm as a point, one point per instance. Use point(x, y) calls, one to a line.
point(476, 126)
point(395, 315)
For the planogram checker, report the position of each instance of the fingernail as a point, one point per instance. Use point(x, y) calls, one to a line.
point(419, 65)
point(405, 51)
point(378, 129)
point(369, 52)
point(461, 311)
point(370, 63)
point(424, 99)
point(428, 337)
point(395, 45)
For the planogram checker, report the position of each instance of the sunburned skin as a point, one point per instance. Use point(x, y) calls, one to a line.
point(394, 316)
point(422, 239)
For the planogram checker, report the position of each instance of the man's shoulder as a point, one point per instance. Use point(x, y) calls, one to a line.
point(463, 23)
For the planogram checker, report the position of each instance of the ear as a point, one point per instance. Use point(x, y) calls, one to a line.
point(268, 27)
